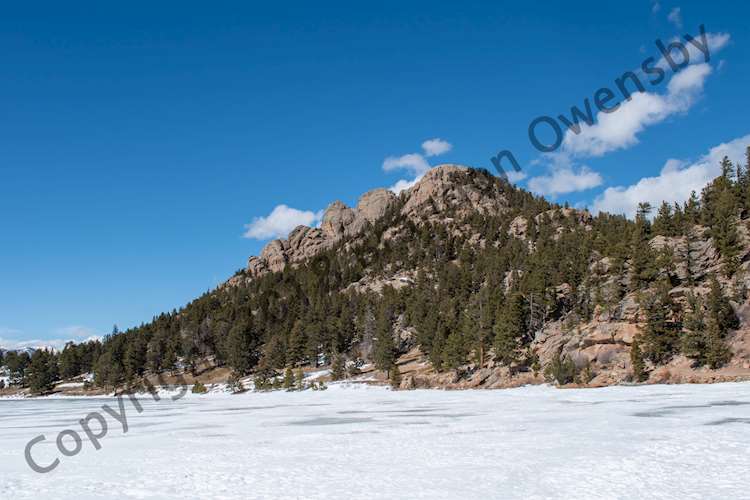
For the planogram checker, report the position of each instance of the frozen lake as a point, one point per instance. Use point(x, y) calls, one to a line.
point(681, 442)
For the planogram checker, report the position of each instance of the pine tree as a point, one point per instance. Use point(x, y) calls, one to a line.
point(561, 369)
point(395, 377)
point(660, 336)
point(717, 351)
point(241, 348)
point(189, 350)
point(69, 365)
point(263, 378)
point(16, 364)
point(719, 308)
point(724, 231)
point(42, 372)
point(297, 343)
point(300, 376)
point(155, 354)
point(641, 255)
point(510, 329)
point(384, 347)
point(199, 388)
point(135, 357)
point(169, 357)
point(664, 222)
point(314, 335)
point(707, 326)
point(636, 360)
point(288, 379)
point(484, 325)
point(692, 209)
point(454, 353)
point(338, 367)
point(694, 338)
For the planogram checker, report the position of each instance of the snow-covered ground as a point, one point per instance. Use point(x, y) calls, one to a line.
point(680, 442)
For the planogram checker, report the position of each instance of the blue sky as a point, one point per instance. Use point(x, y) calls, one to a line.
point(143, 145)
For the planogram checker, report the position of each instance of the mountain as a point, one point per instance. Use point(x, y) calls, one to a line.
point(20, 350)
point(464, 281)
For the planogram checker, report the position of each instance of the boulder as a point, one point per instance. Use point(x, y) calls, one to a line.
point(336, 219)
point(374, 204)
point(519, 227)
point(274, 255)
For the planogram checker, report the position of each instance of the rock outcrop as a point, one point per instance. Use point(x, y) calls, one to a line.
point(339, 221)
point(440, 191)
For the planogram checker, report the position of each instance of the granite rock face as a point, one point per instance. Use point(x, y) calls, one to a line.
point(336, 220)
point(374, 204)
point(439, 190)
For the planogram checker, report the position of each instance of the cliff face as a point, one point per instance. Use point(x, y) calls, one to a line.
point(451, 196)
point(339, 221)
point(431, 197)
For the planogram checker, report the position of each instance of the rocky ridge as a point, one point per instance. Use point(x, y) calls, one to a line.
point(601, 344)
point(339, 221)
point(428, 198)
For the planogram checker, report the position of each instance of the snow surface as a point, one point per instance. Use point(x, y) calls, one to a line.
point(688, 441)
point(69, 385)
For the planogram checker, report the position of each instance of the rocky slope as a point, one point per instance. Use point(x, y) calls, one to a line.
point(601, 344)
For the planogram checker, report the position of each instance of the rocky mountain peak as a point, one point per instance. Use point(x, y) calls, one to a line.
point(457, 187)
point(447, 187)
point(336, 219)
point(373, 204)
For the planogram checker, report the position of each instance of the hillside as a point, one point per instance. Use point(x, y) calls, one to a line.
point(467, 281)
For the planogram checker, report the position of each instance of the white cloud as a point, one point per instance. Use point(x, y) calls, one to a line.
point(687, 82)
point(404, 184)
point(280, 222)
point(414, 162)
point(715, 42)
point(77, 332)
point(565, 180)
point(674, 183)
point(619, 129)
point(435, 147)
point(675, 17)
point(514, 177)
